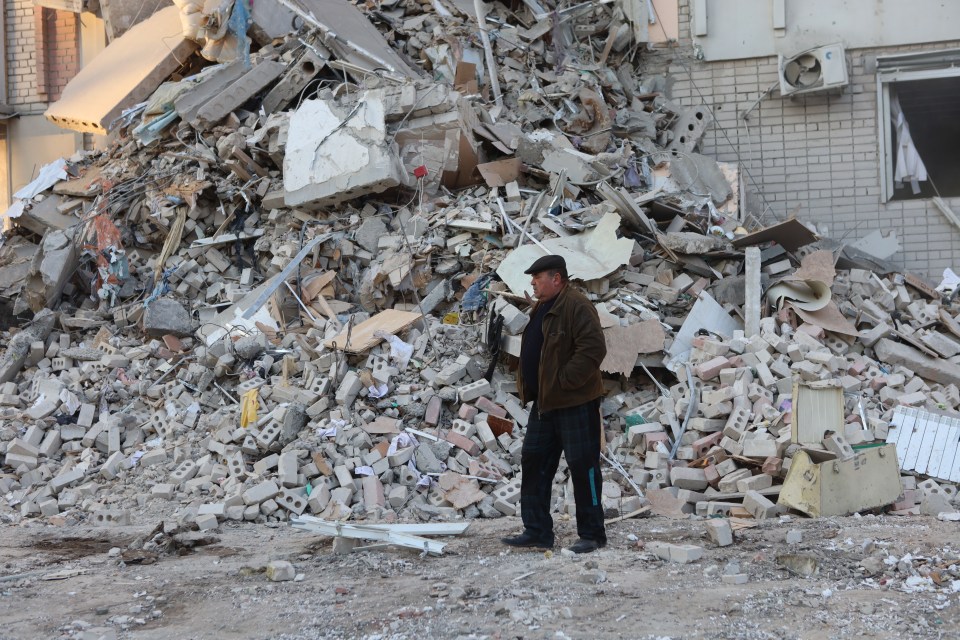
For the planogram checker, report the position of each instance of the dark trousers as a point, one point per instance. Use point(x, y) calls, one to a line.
point(574, 432)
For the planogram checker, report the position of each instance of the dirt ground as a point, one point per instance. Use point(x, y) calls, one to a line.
point(876, 577)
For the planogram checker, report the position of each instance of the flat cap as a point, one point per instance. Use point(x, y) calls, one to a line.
point(548, 263)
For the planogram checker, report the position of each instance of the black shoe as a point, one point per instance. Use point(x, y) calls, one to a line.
point(526, 539)
point(587, 546)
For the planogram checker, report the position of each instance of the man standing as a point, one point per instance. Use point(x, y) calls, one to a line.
point(560, 358)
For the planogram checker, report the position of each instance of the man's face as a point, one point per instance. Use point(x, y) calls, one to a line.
point(546, 285)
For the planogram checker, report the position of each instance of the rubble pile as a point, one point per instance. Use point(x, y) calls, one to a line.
point(294, 283)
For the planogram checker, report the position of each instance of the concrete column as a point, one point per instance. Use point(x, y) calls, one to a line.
point(751, 308)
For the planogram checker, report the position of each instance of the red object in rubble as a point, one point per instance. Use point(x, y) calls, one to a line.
point(420, 172)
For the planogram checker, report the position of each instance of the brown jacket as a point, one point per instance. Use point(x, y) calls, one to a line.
point(573, 348)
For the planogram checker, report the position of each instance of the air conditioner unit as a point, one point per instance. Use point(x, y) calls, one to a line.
point(818, 69)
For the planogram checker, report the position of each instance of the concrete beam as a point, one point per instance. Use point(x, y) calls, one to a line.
point(16, 354)
point(751, 307)
point(120, 16)
point(933, 369)
point(128, 71)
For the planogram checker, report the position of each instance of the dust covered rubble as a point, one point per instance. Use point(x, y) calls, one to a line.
point(289, 303)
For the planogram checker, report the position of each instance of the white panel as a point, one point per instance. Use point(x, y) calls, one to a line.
point(745, 28)
point(779, 14)
point(950, 465)
point(918, 444)
point(700, 17)
point(936, 451)
point(904, 420)
point(928, 443)
point(952, 435)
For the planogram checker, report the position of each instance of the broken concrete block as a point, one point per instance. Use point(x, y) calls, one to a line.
point(166, 315)
point(349, 388)
point(260, 493)
point(474, 390)
point(111, 517)
point(331, 157)
point(758, 505)
point(514, 320)
point(206, 522)
point(936, 370)
point(720, 532)
point(688, 478)
point(280, 571)
point(292, 501)
point(18, 349)
point(681, 553)
point(295, 79)
point(241, 90)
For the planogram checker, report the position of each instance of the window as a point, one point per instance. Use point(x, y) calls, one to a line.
point(919, 124)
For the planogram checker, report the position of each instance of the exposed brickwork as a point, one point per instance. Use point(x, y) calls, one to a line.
point(42, 53)
point(818, 153)
point(63, 51)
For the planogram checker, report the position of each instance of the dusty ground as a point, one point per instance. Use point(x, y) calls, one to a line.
point(480, 589)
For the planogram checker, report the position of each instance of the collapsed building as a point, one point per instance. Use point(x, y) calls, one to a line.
point(293, 284)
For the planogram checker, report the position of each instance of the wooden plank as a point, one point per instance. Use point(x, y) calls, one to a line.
point(627, 516)
point(361, 336)
point(947, 321)
point(328, 311)
point(791, 235)
point(725, 497)
point(317, 284)
point(86, 185)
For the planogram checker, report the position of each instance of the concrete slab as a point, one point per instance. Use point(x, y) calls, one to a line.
point(128, 71)
point(248, 85)
point(270, 20)
point(352, 37)
point(294, 81)
point(211, 82)
point(334, 154)
point(120, 16)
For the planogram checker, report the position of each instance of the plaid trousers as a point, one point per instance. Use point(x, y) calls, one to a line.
point(575, 433)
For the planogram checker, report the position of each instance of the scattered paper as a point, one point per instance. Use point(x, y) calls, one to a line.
point(809, 287)
point(590, 255)
point(705, 314)
point(624, 344)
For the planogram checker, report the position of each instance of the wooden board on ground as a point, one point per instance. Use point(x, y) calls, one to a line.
point(86, 185)
point(362, 338)
point(791, 235)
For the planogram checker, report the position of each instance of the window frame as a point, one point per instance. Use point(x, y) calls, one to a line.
point(927, 65)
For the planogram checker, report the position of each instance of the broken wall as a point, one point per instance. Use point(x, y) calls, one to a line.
point(817, 153)
point(31, 141)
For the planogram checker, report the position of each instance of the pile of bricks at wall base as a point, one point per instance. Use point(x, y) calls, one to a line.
point(291, 282)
